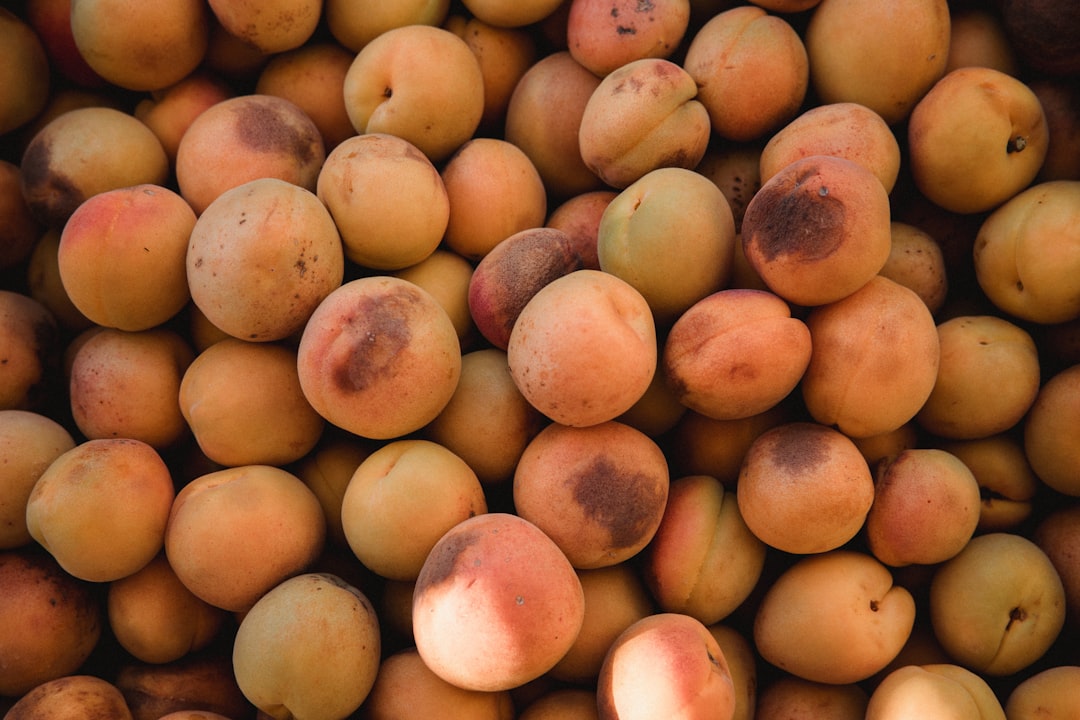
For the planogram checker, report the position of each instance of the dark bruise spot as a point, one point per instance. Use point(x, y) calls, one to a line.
point(622, 500)
point(51, 196)
point(379, 330)
point(263, 127)
point(443, 558)
point(625, 30)
point(644, 6)
point(301, 267)
point(799, 447)
point(794, 217)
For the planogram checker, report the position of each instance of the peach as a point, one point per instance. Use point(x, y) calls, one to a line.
point(234, 534)
point(841, 129)
point(973, 349)
point(496, 604)
point(379, 357)
point(26, 72)
point(856, 380)
point(701, 445)
point(84, 152)
point(941, 689)
point(793, 698)
point(976, 163)
point(122, 253)
point(494, 191)
point(387, 200)
point(309, 647)
point(354, 26)
point(1021, 271)
point(1048, 694)
point(835, 617)
point(507, 277)
point(29, 442)
point(50, 621)
point(487, 421)
point(818, 229)
point(543, 117)
point(401, 499)
point(327, 470)
point(158, 620)
point(203, 681)
point(804, 488)
point(72, 695)
point(99, 491)
point(271, 27)
point(30, 337)
point(671, 235)
point(665, 665)
point(917, 261)
point(418, 82)
point(244, 404)
point(144, 46)
point(751, 69)
point(261, 257)
point(584, 348)
point(703, 560)
point(603, 36)
point(579, 217)
point(21, 231)
point(519, 14)
point(125, 385)
point(245, 138)
point(642, 116)
point(1058, 535)
point(597, 491)
point(1006, 481)
point(405, 685)
point(998, 605)
point(446, 275)
point(1048, 440)
point(310, 76)
point(735, 353)
point(925, 510)
point(889, 76)
point(736, 170)
point(977, 38)
point(169, 112)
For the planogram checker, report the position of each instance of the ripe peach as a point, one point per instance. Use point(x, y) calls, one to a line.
point(856, 379)
point(84, 152)
point(50, 622)
point(29, 442)
point(940, 689)
point(735, 353)
point(25, 75)
point(1006, 481)
point(143, 46)
point(842, 129)
point(387, 200)
point(418, 82)
point(543, 117)
point(312, 76)
point(889, 76)
point(917, 261)
point(665, 665)
point(804, 488)
point(834, 617)
point(122, 253)
point(158, 620)
point(401, 499)
point(671, 235)
point(703, 560)
point(1048, 436)
point(818, 229)
point(597, 491)
point(751, 69)
point(603, 36)
point(244, 404)
point(494, 191)
point(496, 604)
point(261, 257)
point(519, 14)
point(125, 385)
point(974, 348)
point(1048, 694)
point(95, 493)
point(169, 112)
point(309, 647)
point(514, 270)
point(30, 337)
point(584, 348)
point(977, 163)
point(379, 357)
point(21, 231)
point(244, 138)
point(446, 275)
point(642, 116)
point(579, 217)
point(272, 26)
point(793, 698)
point(80, 695)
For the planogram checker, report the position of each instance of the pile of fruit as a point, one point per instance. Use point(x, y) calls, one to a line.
point(540, 359)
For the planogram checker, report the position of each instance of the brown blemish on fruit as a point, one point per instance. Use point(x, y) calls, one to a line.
point(51, 196)
point(622, 500)
point(443, 559)
point(264, 128)
point(796, 217)
point(529, 264)
point(799, 449)
point(379, 330)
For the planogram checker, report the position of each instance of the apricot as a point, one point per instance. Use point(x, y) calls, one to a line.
point(244, 404)
point(379, 357)
point(25, 75)
point(84, 152)
point(327, 470)
point(1047, 436)
point(271, 27)
point(79, 694)
point(496, 604)
point(793, 698)
point(818, 229)
point(95, 493)
point(736, 170)
point(355, 25)
point(1047, 693)
point(642, 116)
point(201, 680)
point(446, 275)
point(597, 491)
point(262, 257)
point(735, 354)
point(29, 442)
point(30, 337)
point(21, 232)
point(701, 445)
point(579, 217)
point(570, 703)
point(917, 261)
point(169, 111)
point(977, 37)
point(1058, 535)
point(604, 36)
point(658, 409)
point(44, 285)
point(584, 348)
point(1007, 484)
point(941, 688)
point(387, 199)
point(502, 14)
point(752, 71)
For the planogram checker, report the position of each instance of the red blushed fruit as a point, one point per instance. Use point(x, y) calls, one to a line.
point(51, 20)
